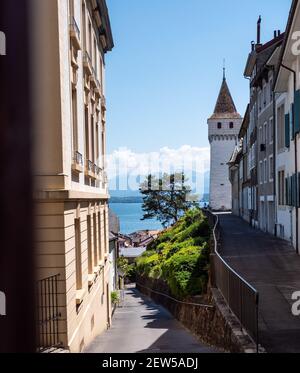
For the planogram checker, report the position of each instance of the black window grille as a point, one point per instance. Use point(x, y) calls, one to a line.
point(48, 314)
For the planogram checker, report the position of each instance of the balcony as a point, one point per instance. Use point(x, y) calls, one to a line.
point(103, 103)
point(104, 180)
point(93, 78)
point(97, 89)
point(91, 170)
point(75, 34)
point(77, 162)
point(98, 172)
point(87, 64)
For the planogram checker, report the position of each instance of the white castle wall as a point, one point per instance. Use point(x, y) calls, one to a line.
point(222, 143)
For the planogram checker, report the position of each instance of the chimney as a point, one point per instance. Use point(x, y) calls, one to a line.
point(279, 32)
point(275, 34)
point(259, 30)
point(252, 46)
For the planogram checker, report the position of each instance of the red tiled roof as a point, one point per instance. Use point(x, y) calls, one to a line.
point(225, 107)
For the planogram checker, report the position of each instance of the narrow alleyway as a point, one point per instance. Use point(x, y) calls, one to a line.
point(273, 268)
point(143, 326)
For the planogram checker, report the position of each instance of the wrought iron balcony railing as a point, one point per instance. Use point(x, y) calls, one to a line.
point(98, 171)
point(77, 162)
point(90, 166)
point(78, 158)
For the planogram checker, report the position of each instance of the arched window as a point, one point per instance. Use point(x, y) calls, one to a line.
point(219, 125)
point(231, 125)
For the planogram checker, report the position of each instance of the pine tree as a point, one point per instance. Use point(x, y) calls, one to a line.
point(167, 198)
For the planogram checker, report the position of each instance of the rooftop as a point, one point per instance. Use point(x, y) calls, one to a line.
point(225, 107)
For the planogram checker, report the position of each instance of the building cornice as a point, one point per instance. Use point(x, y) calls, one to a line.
point(68, 195)
point(105, 28)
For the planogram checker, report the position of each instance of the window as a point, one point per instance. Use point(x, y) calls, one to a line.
point(105, 230)
point(83, 15)
point(265, 141)
point(90, 39)
point(219, 125)
point(261, 171)
point(95, 58)
point(271, 168)
point(261, 137)
point(97, 145)
point(281, 128)
point(281, 188)
point(89, 240)
point(95, 239)
point(78, 255)
point(271, 131)
point(231, 125)
point(74, 121)
point(100, 235)
point(265, 96)
point(87, 135)
point(71, 8)
point(92, 140)
point(265, 171)
point(103, 146)
point(271, 90)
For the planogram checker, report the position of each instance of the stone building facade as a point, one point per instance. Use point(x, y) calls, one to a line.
point(260, 70)
point(71, 189)
point(269, 156)
point(287, 90)
point(223, 129)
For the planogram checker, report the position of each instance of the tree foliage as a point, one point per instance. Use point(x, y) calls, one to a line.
point(167, 198)
point(180, 256)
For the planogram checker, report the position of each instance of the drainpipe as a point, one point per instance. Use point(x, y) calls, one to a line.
point(239, 202)
point(253, 190)
point(275, 160)
point(296, 155)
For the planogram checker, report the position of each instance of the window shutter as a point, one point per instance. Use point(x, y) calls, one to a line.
point(295, 199)
point(290, 191)
point(297, 111)
point(292, 126)
point(298, 190)
point(287, 191)
point(287, 130)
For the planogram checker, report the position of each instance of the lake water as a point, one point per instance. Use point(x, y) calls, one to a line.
point(130, 215)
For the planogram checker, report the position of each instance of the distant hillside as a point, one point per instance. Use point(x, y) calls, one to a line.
point(135, 199)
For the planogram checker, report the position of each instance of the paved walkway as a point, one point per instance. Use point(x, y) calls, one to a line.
point(273, 268)
point(143, 326)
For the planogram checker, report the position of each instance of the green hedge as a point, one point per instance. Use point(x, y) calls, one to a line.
point(180, 256)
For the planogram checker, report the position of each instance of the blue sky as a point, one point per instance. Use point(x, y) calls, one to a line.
point(165, 72)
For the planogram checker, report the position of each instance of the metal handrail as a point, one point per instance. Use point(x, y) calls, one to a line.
point(235, 290)
point(201, 305)
point(224, 262)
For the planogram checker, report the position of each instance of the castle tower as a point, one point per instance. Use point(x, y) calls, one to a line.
point(223, 129)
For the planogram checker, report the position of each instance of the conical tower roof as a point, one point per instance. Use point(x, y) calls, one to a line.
point(225, 107)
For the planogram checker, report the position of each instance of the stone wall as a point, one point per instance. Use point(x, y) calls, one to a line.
point(214, 325)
